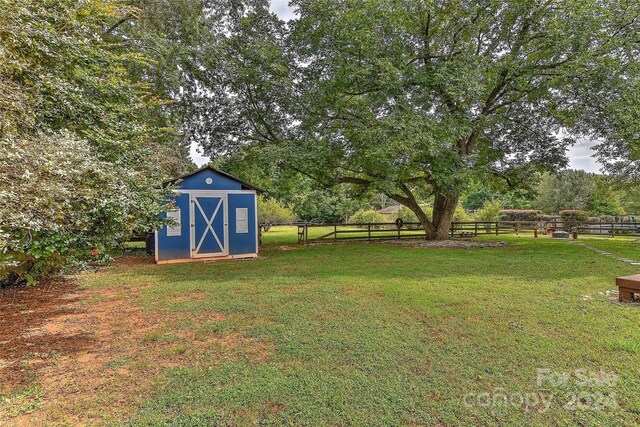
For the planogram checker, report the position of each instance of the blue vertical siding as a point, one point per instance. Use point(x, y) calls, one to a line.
point(242, 243)
point(176, 247)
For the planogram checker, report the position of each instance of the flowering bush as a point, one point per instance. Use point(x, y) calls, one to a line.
point(84, 139)
point(62, 206)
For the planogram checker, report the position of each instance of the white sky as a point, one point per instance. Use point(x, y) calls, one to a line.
point(580, 155)
point(282, 9)
point(197, 158)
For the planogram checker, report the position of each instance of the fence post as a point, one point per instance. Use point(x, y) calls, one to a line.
point(306, 233)
point(476, 228)
point(496, 228)
point(368, 231)
point(335, 232)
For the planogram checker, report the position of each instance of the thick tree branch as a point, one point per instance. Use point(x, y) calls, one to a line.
point(270, 132)
point(121, 21)
point(504, 176)
point(353, 180)
point(497, 92)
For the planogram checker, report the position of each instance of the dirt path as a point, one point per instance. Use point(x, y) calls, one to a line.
point(27, 339)
point(85, 356)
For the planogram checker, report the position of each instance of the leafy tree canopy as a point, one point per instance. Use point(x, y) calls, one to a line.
point(87, 129)
point(420, 98)
point(578, 190)
point(308, 200)
point(509, 198)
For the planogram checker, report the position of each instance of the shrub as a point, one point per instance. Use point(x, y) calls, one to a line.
point(407, 215)
point(573, 218)
point(367, 216)
point(489, 212)
point(460, 215)
point(519, 215)
point(62, 206)
point(271, 212)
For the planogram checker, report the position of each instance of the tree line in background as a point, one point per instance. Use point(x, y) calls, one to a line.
point(568, 190)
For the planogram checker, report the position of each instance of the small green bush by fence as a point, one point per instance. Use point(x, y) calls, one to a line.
point(520, 215)
point(367, 216)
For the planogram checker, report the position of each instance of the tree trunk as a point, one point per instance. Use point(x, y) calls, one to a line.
point(444, 207)
point(439, 226)
point(427, 225)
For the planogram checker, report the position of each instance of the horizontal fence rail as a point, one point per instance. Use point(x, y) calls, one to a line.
point(308, 232)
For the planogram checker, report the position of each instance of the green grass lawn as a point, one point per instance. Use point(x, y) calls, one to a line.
point(378, 334)
point(627, 247)
point(282, 235)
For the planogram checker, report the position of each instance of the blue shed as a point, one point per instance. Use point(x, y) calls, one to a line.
point(215, 217)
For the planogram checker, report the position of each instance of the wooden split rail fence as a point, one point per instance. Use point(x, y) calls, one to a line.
point(308, 233)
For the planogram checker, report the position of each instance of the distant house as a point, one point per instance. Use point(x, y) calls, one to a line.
point(390, 213)
point(214, 217)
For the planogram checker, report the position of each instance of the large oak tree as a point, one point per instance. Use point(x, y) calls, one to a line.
point(418, 98)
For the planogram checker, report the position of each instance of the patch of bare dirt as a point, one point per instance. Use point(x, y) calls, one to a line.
point(132, 260)
point(194, 295)
point(24, 330)
point(95, 353)
point(212, 316)
point(257, 351)
point(289, 247)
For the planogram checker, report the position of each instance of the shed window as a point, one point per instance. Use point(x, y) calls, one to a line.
point(174, 229)
point(242, 220)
